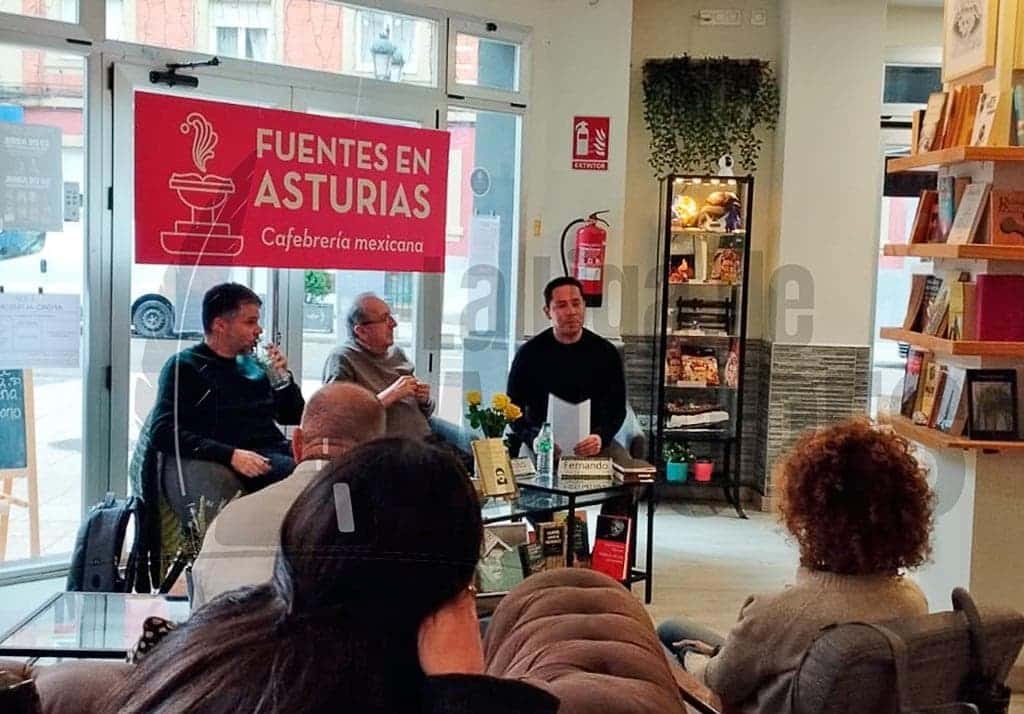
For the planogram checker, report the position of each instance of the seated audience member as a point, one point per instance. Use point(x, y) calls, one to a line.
point(859, 506)
point(214, 401)
point(370, 358)
point(242, 542)
point(574, 364)
point(370, 608)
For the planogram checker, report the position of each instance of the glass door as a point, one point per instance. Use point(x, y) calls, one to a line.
point(481, 257)
point(157, 308)
point(323, 298)
point(42, 267)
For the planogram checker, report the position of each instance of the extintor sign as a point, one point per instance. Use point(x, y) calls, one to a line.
point(590, 143)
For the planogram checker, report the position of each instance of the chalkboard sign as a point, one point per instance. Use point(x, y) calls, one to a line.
point(13, 436)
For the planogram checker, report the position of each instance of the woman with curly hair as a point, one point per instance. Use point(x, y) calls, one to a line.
point(859, 506)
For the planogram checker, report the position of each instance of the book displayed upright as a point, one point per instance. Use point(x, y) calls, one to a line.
point(1006, 214)
point(924, 225)
point(1018, 114)
point(988, 105)
point(1000, 309)
point(611, 546)
point(931, 125)
point(917, 361)
point(969, 214)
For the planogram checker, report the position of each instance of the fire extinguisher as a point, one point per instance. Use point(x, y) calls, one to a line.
point(588, 263)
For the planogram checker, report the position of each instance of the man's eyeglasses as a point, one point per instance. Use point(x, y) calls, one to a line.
point(386, 318)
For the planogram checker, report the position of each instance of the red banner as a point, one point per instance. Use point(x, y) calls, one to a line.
point(224, 184)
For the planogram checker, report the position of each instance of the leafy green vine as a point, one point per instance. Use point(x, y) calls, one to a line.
point(699, 109)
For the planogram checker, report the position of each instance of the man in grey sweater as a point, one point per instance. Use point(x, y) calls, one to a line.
point(371, 359)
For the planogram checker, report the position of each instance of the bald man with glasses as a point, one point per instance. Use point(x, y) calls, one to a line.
point(371, 359)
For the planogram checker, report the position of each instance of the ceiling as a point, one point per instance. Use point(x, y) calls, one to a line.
point(915, 3)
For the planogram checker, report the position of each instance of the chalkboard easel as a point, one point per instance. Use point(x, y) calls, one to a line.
point(18, 453)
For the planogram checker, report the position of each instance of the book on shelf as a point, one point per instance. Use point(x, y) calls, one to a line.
point(930, 389)
point(916, 362)
point(915, 301)
point(946, 186)
point(999, 308)
point(985, 118)
point(938, 313)
point(551, 537)
point(916, 121)
point(500, 567)
point(969, 214)
point(931, 124)
point(1006, 217)
point(1018, 114)
point(953, 104)
point(960, 326)
point(531, 556)
point(972, 98)
point(611, 546)
point(580, 537)
point(923, 224)
point(952, 412)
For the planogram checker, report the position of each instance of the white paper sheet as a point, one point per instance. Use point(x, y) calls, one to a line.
point(570, 423)
point(39, 330)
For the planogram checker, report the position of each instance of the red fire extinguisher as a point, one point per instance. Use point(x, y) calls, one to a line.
point(588, 263)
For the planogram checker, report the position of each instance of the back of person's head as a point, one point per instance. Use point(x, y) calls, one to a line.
point(856, 500)
point(224, 300)
point(384, 537)
point(555, 283)
point(341, 415)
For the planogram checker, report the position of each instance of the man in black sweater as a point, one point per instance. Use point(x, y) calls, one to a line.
point(572, 363)
point(215, 401)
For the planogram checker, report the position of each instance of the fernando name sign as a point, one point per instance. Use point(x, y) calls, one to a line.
point(224, 184)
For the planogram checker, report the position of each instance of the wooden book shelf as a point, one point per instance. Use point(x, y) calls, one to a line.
point(932, 160)
point(971, 251)
point(939, 440)
point(962, 348)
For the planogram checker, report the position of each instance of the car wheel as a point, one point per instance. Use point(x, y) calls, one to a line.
point(152, 318)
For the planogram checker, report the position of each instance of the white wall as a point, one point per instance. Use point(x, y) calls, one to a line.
point(667, 28)
point(580, 67)
point(913, 27)
point(830, 169)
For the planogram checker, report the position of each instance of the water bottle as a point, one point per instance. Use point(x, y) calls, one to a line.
point(544, 449)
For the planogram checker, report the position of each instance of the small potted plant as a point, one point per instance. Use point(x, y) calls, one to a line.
point(703, 470)
point(677, 458)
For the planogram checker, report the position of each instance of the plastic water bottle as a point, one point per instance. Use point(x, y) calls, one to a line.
point(544, 449)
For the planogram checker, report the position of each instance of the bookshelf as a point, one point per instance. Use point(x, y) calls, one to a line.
point(953, 348)
point(932, 160)
point(970, 251)
point(936, 439)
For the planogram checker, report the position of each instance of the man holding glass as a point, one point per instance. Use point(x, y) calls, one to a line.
point(371, 359)
point(216, 402)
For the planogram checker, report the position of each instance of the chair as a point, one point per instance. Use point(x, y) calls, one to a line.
point(849, 668)
point(584, 638)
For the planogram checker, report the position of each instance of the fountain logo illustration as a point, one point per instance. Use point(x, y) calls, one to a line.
point(205, 194)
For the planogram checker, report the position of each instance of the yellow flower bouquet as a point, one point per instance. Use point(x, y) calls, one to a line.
point(491, 420)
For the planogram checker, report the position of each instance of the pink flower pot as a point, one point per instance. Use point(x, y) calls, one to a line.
point(702, 470)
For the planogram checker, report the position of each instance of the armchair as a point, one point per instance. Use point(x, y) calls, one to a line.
point(850, 669)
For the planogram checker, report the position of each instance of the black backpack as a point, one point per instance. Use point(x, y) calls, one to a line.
point(96, 559)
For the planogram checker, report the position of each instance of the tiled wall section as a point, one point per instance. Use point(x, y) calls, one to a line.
point(787, 390)
point(640, 350)
point(812, 385)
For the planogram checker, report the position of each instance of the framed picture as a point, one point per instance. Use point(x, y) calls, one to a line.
point(969, 43)
point(992, 404)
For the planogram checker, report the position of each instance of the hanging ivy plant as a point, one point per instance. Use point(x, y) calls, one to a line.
point(699, 109)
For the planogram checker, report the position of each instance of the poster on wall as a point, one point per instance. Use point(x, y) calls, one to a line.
point(969, 43)
point(40, 330)
point(223, 184)
point(31, 187)
point(590, 143)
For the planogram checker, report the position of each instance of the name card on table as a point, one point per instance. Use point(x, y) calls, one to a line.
point(580, 467)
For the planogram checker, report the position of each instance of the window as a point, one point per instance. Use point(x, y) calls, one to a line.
point(242, 30)
point(63, 10)
point(243, 42)
point(408, 46)
point(487, 60)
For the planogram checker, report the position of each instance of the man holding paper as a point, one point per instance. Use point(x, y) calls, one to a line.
point(568, 363)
